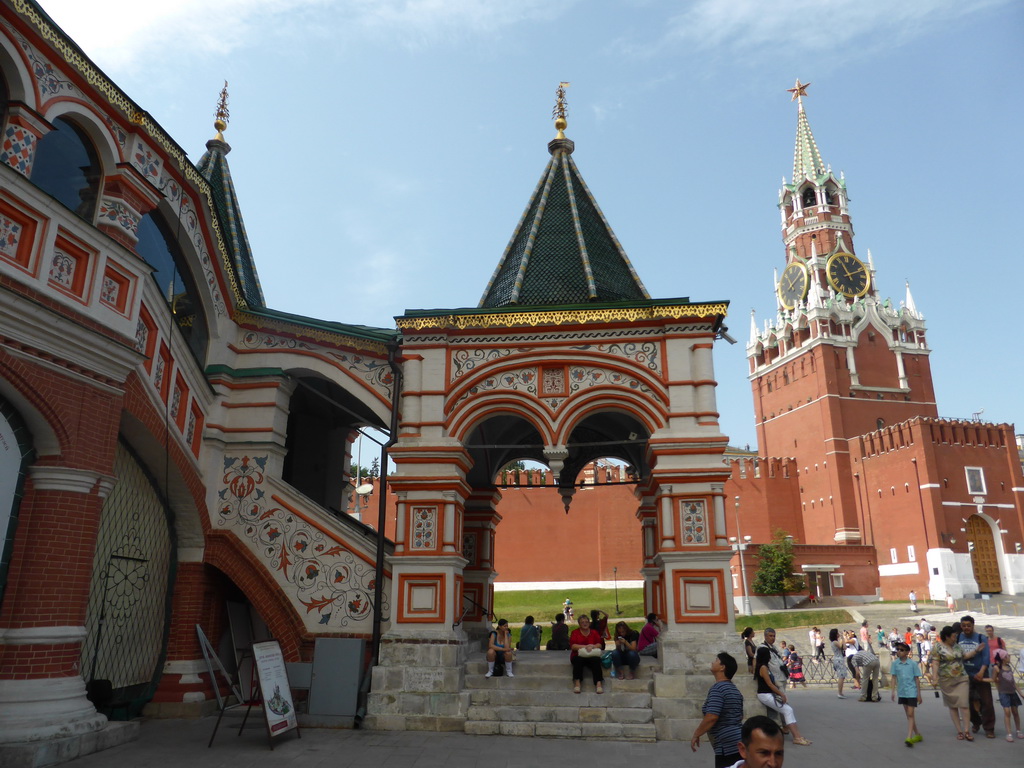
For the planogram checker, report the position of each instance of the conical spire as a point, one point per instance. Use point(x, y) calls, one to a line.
point(753, 330)
point(562, 251)
point(807, 162)
point(910, 305)
point(213, 165)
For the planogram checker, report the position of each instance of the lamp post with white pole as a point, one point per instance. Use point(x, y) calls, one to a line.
point(739, 543)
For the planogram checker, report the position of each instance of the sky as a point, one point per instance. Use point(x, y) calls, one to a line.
point(383, 151)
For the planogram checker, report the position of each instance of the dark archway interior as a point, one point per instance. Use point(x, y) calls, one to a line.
point(608, 434)
point(321, 419)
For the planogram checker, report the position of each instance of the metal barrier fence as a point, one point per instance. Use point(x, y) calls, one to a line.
point(823, 673)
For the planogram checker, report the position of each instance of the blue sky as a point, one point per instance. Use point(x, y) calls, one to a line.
point(384, 151)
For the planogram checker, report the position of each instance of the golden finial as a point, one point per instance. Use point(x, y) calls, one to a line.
point(799, 90)
point(560, 109)
point(222, 115)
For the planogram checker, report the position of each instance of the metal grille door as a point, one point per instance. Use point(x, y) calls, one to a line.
point(983, 555)
point(129, 601)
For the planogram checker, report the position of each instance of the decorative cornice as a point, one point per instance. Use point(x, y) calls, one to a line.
point(46, 478)
point(325, 336)
point(555, 317)
point(42, 635)
point(48, 337)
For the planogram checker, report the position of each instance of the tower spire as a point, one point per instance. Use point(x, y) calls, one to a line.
point(222, 115)
point(560, 109)
point(807, 162)
point(910, 304)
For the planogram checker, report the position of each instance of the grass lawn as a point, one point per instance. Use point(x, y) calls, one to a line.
point(543, 605)
point(825, 619)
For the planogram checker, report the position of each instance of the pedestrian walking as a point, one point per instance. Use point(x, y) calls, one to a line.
point(907, 687)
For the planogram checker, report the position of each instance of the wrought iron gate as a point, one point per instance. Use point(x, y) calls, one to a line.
point(130, 597)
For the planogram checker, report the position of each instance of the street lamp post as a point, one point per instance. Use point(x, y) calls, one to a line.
point(739, 544)
point(615, 576)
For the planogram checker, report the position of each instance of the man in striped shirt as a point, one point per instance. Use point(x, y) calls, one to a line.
point(870, 667)
point(723, 713)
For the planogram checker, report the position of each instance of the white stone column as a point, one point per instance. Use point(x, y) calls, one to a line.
point(668, 528)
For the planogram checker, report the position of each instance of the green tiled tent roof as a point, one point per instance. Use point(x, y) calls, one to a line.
point(807, 163)
point(562, 251)
point(214, 166)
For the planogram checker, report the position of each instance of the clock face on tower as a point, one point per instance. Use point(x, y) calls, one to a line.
point(793, 285)
point(847, 275)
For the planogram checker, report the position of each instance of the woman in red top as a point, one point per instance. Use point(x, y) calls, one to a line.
point(587, 640)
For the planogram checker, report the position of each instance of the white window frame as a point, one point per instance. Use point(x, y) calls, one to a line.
point(894, 555)
point(972, 488)
point(837, 580)
point(911, 555)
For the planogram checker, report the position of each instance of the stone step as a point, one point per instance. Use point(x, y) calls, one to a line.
point(539, 701)
point(550, 662)
point(526, 698)
point(614, 731)
point(548, 714)
point(528, 680)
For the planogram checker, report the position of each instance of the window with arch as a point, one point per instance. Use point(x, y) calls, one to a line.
point(830, 198)
point(158, 246)
point(807, 198)
point(67, 167)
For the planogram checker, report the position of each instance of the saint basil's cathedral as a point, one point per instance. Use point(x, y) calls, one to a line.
point(176, 454)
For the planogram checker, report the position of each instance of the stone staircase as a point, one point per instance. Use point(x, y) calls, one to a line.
point(539, 701)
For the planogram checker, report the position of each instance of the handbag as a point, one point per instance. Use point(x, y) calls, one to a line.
point(590, 653)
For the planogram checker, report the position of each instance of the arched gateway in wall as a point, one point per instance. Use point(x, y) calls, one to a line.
point(565, 360)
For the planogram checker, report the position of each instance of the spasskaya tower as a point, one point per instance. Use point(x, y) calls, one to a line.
point(836, 361)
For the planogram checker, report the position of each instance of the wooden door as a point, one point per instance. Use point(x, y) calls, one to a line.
point(984, 559)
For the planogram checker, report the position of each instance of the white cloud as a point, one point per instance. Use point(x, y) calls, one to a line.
point(753, 27)
point(180, 28)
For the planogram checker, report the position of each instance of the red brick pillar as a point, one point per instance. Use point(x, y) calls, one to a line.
point(186, 689)
point(42, 624)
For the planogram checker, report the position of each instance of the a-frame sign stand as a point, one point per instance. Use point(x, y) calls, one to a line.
point(213, 665)
point(275, 692)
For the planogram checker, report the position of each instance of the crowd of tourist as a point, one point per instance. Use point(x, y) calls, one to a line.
point(962, 665)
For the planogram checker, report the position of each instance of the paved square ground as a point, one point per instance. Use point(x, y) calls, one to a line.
point(846, 734)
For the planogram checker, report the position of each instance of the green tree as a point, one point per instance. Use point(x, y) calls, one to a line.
point(365, 474)
point(775, 568)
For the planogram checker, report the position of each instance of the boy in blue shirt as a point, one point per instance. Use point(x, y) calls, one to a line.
point(906, 675)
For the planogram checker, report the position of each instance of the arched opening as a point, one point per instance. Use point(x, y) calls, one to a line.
point(67, 167)
point(128, 617)
point(808, 198)
point(159, 247)
point(321, 420)
point(596, 481)
point(498, 440)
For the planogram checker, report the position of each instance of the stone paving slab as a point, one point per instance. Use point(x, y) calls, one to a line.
point(846, 734)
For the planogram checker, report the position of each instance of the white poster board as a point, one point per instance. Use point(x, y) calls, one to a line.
point(278, 706)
